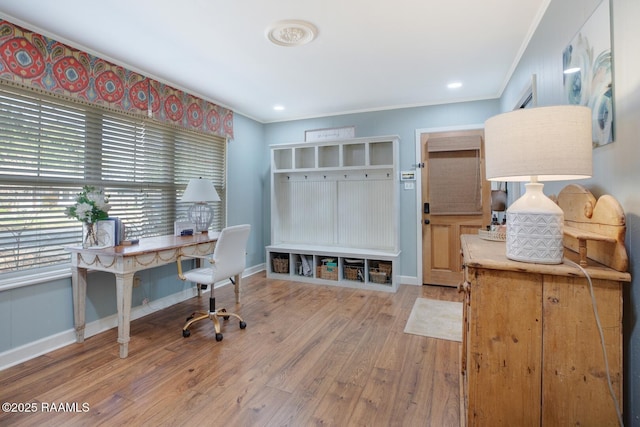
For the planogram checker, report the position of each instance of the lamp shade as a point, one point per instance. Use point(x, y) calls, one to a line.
point(538, 144)
point(550, 143)
point(200, 190)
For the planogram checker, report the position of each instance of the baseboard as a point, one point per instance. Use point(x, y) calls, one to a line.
point(409, 280)
point(53, 342)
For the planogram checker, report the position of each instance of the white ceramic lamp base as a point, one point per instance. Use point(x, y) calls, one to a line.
point(535, 228)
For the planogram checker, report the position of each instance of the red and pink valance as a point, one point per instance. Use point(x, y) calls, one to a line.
point(40, 62)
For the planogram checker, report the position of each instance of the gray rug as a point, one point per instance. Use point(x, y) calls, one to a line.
point(436, 319)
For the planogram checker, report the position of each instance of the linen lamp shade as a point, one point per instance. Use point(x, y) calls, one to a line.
point(538, 144)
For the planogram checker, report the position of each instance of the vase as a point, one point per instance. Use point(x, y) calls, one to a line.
point(89, 234)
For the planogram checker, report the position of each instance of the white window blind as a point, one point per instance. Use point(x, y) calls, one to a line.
point(51, 147)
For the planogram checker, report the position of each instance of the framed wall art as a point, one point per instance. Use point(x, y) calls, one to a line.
point(588, 77)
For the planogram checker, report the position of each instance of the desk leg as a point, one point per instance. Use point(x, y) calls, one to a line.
point(237, 287)
point(124, 289)
point(79, 291)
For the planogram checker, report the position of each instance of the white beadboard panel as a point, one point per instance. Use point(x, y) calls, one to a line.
point(306, 211)
point(365, 215)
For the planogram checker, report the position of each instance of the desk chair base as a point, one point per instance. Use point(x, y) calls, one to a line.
point(212, 314)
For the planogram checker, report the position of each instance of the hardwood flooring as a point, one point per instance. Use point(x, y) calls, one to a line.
point(310, 355)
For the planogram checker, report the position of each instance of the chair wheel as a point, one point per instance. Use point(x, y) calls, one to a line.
point(218, 337)
point(242, 324)
point(186, 333)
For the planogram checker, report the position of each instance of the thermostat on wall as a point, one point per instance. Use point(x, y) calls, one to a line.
point(408, 176)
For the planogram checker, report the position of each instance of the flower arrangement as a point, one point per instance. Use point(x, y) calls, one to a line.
point(91, 206)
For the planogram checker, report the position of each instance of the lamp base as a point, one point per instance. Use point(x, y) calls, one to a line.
point(535, 228)
point(201, 214)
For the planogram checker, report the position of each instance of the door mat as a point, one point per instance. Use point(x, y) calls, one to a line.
point(436, 319)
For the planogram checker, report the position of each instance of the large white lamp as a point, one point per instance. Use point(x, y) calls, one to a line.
point(200, 191)
point(538, 144)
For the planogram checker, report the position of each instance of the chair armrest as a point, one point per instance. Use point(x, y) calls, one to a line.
point(179, 262)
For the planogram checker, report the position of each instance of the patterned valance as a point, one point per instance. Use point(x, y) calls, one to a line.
point(40, 62)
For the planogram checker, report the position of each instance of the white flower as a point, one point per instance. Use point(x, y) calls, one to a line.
point(91, 205)
point(83, 211)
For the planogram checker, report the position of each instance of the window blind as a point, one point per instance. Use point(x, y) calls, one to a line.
point(455, 182)
point(50, 147)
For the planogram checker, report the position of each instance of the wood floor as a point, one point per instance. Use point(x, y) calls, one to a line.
point(310, 355)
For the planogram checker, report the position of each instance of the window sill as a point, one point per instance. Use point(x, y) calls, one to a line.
point(29, 279)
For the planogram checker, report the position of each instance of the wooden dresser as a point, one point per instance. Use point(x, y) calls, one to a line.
point(531, 352)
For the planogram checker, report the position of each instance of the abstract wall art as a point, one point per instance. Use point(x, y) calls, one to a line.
point(587, 73)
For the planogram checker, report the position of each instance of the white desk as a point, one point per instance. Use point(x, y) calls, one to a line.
point(124, 261)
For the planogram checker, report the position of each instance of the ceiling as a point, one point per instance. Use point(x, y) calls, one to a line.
point(367, 55)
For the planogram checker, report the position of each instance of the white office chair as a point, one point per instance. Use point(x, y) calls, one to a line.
point(227, 262)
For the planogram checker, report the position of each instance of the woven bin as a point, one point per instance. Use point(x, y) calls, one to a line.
point(377, 276)
point(326, 272)
point(281, 265)
point(353, 273)
point(385, 267)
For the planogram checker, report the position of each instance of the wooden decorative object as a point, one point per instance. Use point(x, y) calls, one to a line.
point(594, 228)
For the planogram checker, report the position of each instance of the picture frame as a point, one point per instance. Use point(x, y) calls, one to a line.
point(107, 230)
point(330, 134)
point(588, 75)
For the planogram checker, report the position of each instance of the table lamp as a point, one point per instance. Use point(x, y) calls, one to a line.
point(538, 144)
point(200, 191)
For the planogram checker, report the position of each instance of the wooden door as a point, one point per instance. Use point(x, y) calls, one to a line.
point(455, 201)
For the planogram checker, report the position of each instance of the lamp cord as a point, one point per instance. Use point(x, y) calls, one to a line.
point(602, 344)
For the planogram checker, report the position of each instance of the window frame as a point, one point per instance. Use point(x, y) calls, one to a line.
point(188, 154)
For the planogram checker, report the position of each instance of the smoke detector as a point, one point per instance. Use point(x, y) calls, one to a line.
point(291, 33)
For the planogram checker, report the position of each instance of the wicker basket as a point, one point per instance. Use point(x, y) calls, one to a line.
point(327, 272)
point(377, 276)
point(385, 267)
point(495, 235)
point(281, 265)
point(353, 273)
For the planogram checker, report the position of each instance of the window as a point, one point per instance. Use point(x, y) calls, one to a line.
point(455, 177)
point(51, 147)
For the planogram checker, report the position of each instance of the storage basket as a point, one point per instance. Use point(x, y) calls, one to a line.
point(385, 267)
point(281, 265)
point(377, 276)
point(327, 272)
point(353, 273)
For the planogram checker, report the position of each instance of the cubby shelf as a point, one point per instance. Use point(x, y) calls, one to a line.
point(356, 153)
point(349, 267)
point(334, 213)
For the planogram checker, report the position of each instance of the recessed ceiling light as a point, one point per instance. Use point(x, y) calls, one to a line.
point(291, 33)
point(278, 107)
point(454, 85)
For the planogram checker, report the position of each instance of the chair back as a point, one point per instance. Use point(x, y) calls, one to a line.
point(229, 254)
